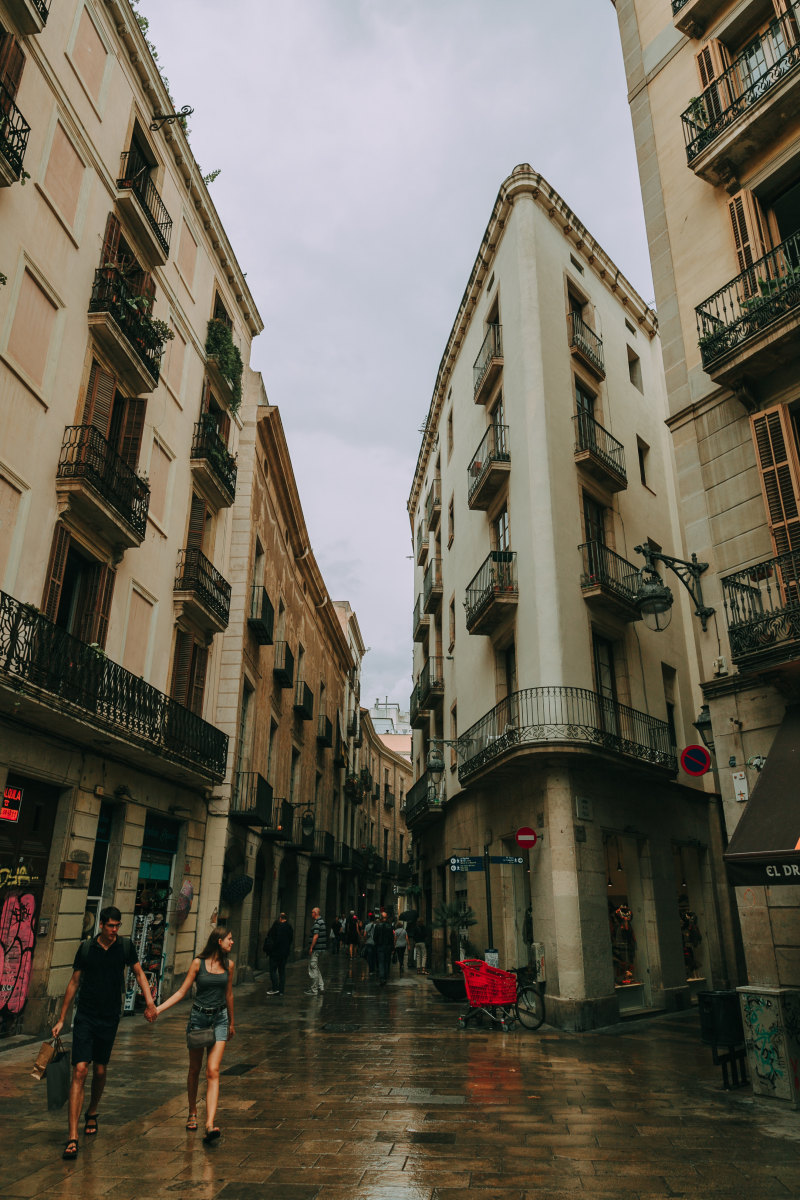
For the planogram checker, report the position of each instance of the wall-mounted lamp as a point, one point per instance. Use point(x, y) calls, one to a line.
point(703, 727)
point(654, 599)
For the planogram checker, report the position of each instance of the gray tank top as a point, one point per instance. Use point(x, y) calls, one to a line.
point(210, 988)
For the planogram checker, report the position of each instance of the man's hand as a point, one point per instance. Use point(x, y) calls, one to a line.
point(151, 1014)
point(56, 1030)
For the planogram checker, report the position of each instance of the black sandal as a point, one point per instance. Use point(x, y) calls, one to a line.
point(90, 1125)
point(71, 1149)
point(211, 1135)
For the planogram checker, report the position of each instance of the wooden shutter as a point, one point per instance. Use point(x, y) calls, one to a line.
point(198, 679)
point(110, 252)
point(712, 63)
point(777, 458)
point(197, 523)
point(94, 604)
point(130, 440)
point(224, 427)
point(55, 572)
point(181, 667)
point(205, 402)
point(12, 62)
point(99, 399)
point(749, 236)
point(786, 13)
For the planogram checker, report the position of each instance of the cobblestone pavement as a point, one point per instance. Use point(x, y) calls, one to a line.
point(375, 1093)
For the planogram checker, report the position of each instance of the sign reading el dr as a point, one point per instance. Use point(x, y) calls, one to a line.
point(12, 803)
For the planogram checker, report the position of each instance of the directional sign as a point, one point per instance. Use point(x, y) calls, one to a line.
point(469, 863)
point(526, 837)
point(508, 860)
point(696, 760)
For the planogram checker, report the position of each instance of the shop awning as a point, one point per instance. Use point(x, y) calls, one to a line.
point(765, 846)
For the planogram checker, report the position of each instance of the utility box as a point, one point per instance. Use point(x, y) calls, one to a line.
point(772, 1037)
point(720, 1018)
point(537, 961)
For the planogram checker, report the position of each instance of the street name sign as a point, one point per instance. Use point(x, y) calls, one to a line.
point(508, 860)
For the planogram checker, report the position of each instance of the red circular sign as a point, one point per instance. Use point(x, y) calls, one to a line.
point(696, 760)
point(526, 837)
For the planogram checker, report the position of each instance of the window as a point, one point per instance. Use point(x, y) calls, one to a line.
point(137, 634)
point(642, 450)
point(635, 369)
point(668, 676)
point(294, 776)
point(10, 501)
point(500, 527)
point(594, 520)
point(199, 532)
point(385, 848)
point(451, 522)
point(64, 175)
point(89, 55)
point(189, 666)
point(630, 328)
point(245, 746)
point(159, 472)
point(174, 358)
point(577, 265)
point(187, 255)
point(273, 731)
point(32, 329)
point(605, 681)
point(78, 590)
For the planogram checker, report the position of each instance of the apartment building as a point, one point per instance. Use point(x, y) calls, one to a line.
point(540, 698)
point(124, 323)
point(715, 100)
point(381, 842)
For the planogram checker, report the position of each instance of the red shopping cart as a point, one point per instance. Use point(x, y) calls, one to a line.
point(490, 992)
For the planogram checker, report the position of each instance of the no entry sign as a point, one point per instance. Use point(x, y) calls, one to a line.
point(526, 837)
point(696, 760)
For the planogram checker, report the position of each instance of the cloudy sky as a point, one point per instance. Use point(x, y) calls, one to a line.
point(361, 145)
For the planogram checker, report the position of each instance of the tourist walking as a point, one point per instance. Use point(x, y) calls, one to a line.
point(400, 944)
point(419, 935)
point(317, 947)
point(278, 945)
point(98, 975)
point(370, 956)
point(383, 941)
point(212, 1009)
point(352, 933)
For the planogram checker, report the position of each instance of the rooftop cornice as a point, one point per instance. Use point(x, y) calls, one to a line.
point(523, 181)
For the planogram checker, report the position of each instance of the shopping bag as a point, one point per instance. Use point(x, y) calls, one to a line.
point(45, 1057)
point(57, 1078)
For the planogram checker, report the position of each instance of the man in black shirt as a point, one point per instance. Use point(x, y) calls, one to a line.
point(98, 973)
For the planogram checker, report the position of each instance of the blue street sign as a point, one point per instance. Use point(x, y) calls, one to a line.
point(508, 860)
point(469, 863)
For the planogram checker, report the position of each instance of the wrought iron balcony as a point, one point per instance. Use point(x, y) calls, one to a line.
point(762, 609)
point(342, 856)
point(566, 717)
point(609, 582)
point(261, 618)
point(202, 591)
point(405, 871)
point(423, 803)
point(303, 700)
point(489, 467)
point(30, 16)
point(420, 623)
point(101, 486)
point(358, 860)
point(432, 586)
point(586, 345)
point(155, 222)
point(418, 715)
point(431, 682)
point(365, 779)
point(339, 747)
point(352, 722)
point(761, 303)
point(324, 731)
point(488, 365)
point(212, 462)
point(742, 96)
point(600, 454)
point(14, 133)
point(422, 544)
point(492, 594)
point(323, 845)
point(388, 798)
point(353, 789)
point(692, 17)
point(283, 665)
point(131, 339)
point(86, 692)
point(433, 505)
point(252, 802)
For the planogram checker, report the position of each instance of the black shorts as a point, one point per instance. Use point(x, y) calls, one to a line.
point(93, 1038)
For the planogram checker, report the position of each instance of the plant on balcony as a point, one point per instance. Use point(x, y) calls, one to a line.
point(220, 345)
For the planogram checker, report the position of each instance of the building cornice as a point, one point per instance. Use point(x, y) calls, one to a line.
point(523, 181)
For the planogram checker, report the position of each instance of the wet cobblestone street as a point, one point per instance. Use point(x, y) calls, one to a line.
point(375, 1093)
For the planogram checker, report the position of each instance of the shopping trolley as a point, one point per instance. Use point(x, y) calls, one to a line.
point(503, 996)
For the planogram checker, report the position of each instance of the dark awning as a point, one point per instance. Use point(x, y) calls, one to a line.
point(765, 846)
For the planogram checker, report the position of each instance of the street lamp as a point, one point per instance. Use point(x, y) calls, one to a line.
point(703, 727)
point(434, 763)
point(654, 599)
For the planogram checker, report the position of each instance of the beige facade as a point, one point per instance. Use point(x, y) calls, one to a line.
point(713, 90)
point(380, 787)
point(545, 461)
point(120, 322)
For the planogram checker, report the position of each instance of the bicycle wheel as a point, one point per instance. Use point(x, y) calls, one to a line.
point(530, 1007)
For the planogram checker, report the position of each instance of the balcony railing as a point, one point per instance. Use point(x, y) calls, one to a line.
point(303, 700)
point(431, 680)
point(324, 845)
point(490, 358)
point(751, 302)
point(764, 64)
point(592, 438)
point(603, 568)
point(494, 449)
point(423, 799)
point(324, 731)
point(677, 5)
point(14, 132)
point(252, 801)
point(43, 9)
point(433, 505)
point(388, 798)
point(496, 579)
point(586, 342)
point(762, 609)
point(432, 585)
point(135, 174)
point(283, 665)
point(261, 619)
point(85, 454)
point(113, 294)
point(342, 855)
point(41, 660)
point(419, 623)
point(543, 716)
point(208, 445)
point(197, 575)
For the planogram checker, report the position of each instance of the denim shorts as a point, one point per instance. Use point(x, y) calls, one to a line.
point(198, 1019)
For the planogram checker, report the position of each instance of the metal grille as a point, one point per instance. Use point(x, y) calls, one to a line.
point(113, 294)
point(14, 131)
point(85, 454)
point(135, 174)
point(207, 444)
point(196, 574)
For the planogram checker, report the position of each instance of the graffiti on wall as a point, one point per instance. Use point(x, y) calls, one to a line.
point(16, 950)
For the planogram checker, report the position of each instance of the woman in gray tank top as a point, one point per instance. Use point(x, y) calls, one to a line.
point(212, 975)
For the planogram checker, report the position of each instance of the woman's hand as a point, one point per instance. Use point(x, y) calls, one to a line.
point(231, 1031)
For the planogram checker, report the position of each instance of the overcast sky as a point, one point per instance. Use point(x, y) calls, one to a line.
point(361, 145)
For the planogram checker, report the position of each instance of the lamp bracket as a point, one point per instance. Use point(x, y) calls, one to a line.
point(687, 570)
point(161, 118)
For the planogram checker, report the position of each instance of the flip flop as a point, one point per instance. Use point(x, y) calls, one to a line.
point(211, 1135)
point(71, 1149)
point(191, 1123)
point(90, 1125)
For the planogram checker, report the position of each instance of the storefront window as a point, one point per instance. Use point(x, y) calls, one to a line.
point(687, 884)
point(153, 908)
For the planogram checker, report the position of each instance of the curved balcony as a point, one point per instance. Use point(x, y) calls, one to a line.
point(489, 467)
point(125, 331)
point(567, 718)
point(200, 593)
point(488, 365)
point(101, 488)
point(599, 454)
point(139, 201)
point(493, 593)
point(585, 345)
point(212, 465)
point(762, 609)
point(14, 134)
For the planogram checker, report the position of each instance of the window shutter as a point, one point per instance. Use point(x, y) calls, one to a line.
point(12, 62)
point(712, 63)
point(95, 604)
point(197, 524)
point(749, 234)
point(205, 403)
point(198, 680)
point(110, 252)
point(787, 14)
point(55, 572)
point(777, 458)
point(181, 667)
point(224, 427)
point(130, 441)
point(99, 399)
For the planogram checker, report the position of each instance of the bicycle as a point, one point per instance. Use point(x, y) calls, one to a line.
point(503, 996)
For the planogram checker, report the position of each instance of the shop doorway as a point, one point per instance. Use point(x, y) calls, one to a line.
point(153, 907)
point(627, 914)
point(516, 897)
point(691, 914)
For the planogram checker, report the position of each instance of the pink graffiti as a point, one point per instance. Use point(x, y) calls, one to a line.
point(16, 950)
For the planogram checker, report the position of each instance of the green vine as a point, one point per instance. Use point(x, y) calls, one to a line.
point(220, 345)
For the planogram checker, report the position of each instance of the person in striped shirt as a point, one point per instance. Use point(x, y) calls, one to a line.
point(317, 947)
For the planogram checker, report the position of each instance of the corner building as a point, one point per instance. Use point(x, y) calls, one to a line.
point(714, 90)
point(544, 462)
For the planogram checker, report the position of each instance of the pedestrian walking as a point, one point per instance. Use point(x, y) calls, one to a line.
point(383, 941)
point(370, 956)
point(98, 976)
point(212, 975)
point(317, 947)
point(352, 933)
point(334, 936)
point(420, 934)
point(400, 944)
point(278, 945)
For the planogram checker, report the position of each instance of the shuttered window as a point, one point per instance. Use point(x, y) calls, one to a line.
point(132, 428)
point(12, 62)
point(110, 250)
point(198, 519)
point(99, 399)
point(777, 458)
point(749, 229)
point(55, 572)
point(712, 63)
point(189, 668)
point(94, 604)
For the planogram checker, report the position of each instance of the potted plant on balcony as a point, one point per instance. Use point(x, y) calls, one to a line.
point(221, 348)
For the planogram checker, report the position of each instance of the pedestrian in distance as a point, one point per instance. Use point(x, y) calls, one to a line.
point(317, 947)
point(212, 1008)
point(278, 945)
point(383, 940)
point(370, 956)
point(400, 944)
point(352, 933)
point(420, 934)
point(333, 935)
point(98, 975)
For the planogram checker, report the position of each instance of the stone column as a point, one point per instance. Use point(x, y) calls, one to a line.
point(302, 921)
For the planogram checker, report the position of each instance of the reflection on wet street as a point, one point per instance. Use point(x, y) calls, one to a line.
point(375, 1093)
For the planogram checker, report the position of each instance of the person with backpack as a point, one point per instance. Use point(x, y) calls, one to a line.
point(98, 975)
point(278, 945)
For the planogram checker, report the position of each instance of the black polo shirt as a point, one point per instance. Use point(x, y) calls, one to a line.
point(103, 976)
